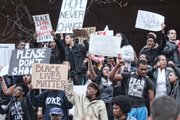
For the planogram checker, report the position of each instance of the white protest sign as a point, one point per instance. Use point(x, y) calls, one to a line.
point(5, 53)
point(71, 15)
point(4, 70)
point(49, 76)
point(104, 45)
point(106, 33)
point(22, 60)
point(106, 28)
point(78, 89)
point(43, 27)
point(149, 21)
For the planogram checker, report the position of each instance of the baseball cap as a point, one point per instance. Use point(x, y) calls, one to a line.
point(95, 86)
point(56, 111)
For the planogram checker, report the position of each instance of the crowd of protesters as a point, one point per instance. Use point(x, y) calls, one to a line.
point(125, 87)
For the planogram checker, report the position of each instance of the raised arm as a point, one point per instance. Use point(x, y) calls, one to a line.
point(93, 75)
point(175, 68)
point(163, 39)
point(114, 75)
point(69, 91)
point(7, 91)
point(59, 45)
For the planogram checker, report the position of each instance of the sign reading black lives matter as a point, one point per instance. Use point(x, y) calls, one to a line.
point(71, 15)
point(149, 21)
point(49, 76)
point(22, 60)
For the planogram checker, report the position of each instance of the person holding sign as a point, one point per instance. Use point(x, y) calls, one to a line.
point(152, 49)
point(75, 54)
point(57, 50)
point(49, 99)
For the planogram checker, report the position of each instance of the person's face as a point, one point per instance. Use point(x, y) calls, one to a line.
point(90, 92)
point(53, 44)
point(172, 77)
point(18, 91)
point(26, 79)
point(68, 39)
point(150, 43)
point(172, 35)
point(21, 45)
point(117, 111)
point(106, 71)
point(142, 70)
point(162, 61)
point(56, 117)
point(143, 57)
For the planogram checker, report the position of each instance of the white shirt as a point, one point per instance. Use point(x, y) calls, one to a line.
point(161, 88)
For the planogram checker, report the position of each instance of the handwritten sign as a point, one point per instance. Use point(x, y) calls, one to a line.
point(80, 90)
point(43, 27)
point(49, 76)
point(71, 15)
point(80, 33)
point(89, 29)
point(106, 33)
point(5, 54)
point(104, 45)
point(4, 70)
point(22, 60)
point(149, 21)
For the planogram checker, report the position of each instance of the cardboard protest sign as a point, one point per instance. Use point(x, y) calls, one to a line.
point(149, 21)
point(43, 27)
point(71, 15)
point(80, 33)
point(22, 60)
point(49, 76)
point(104, 45)
point(5, 53)
point(89, 29)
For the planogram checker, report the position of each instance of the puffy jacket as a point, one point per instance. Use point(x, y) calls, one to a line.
point(83, 106)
